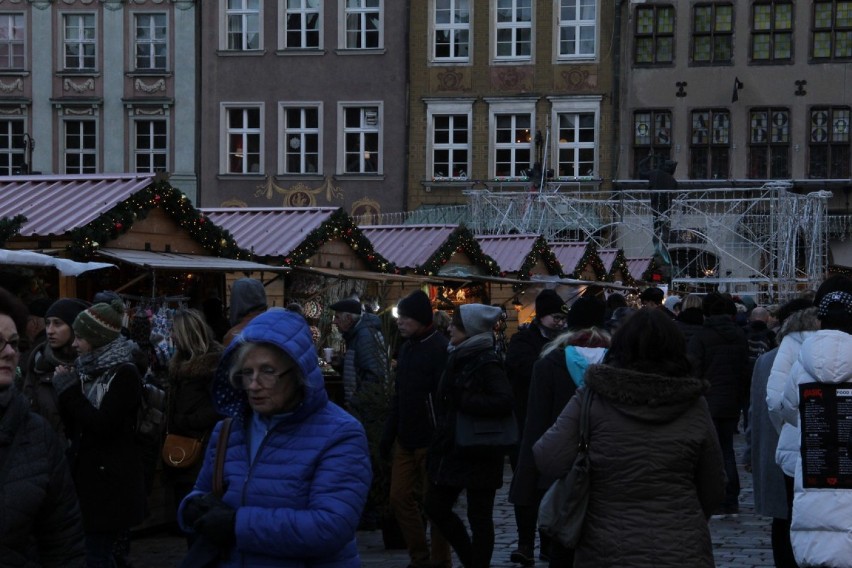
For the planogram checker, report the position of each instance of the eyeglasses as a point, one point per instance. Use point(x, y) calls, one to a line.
point(266, 377)
point(13, 343)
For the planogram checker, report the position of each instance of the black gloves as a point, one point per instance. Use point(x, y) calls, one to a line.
point(209, 516)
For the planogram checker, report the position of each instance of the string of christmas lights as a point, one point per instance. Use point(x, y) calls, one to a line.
point(461, 240)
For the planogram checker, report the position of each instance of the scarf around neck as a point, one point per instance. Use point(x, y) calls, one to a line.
point(93, 366)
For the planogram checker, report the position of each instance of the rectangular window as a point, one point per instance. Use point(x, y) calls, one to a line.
point(654, 34)
point(81, 146)
point(452, 30)
point(513, 143)
point(576, 145)
point(151, 42)
point(79, 41)
point(710, 144)
point(363, 20)
point(514, 29)
point(242, 21)
point(577, 22)
point(301, 141)
point(652, 136)
point(361, 140)
point(450, 146)
point(772, 31)
point(832, 34)
point(243, 134)
point(151, 143)
point(712, 33)
point(302, 24)
point(12, 152)
point(12, 41)
point(829, 148)
point(769, 144)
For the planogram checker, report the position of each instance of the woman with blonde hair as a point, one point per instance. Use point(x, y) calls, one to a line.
point(190, 410)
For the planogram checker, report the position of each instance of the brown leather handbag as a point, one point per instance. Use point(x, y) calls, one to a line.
point(182, 451)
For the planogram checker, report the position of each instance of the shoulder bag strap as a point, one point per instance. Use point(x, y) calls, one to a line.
point(221, 450)
point(584, 421)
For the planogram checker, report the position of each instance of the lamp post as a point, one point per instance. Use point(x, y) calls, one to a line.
point(29, 144)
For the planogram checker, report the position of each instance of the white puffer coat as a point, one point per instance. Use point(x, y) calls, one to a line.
point(820, 532)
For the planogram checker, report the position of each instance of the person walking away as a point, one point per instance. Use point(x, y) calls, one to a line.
point(819, 530)
point(296, 466)
point(474, 382)
point(57, 349)
point(760, 340)
point(648, 504)
point(98, 398)
point(719, 354)
point(553, 384)
point(248, 300)
point(411, 424)
point(40, 521)
point(772, 495)
point(189, 409)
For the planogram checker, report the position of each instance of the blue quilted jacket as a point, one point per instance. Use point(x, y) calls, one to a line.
point(300, 501)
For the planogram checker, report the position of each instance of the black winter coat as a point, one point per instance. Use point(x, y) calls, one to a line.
point(719, 355)
point(38, 388)
point(524, 349)
point(476, 384)
point(106, 460)
point(419, 367)
point(40, 522)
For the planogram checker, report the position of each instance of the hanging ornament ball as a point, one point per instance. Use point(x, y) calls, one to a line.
point(223, 242)
point(118, 226)
point(183, 197)
point(355, 247)
point(201, 219)
point(157, 197)
point(288, 260)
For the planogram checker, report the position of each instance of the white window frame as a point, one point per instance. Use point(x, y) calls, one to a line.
point(80, 43)
point(511, 106)
point(362, 11)
point(342, 130)
point(81, 152)
point(578, 25)
point(574, 105)
point(454, 28)
point(303, 11)
point(514, 26)
point(150, 43)
point(454, 107)
point(12, 43)
point(225, 138)
point(14, 145)
point(244, 12)
point(151, 152)
point(285, 135)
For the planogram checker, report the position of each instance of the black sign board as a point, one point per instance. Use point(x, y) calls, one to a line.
point(825, 419)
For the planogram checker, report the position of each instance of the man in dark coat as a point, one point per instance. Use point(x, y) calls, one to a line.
point(718, 352)
point(411, 423)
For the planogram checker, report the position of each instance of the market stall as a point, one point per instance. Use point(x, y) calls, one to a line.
point(615, 264)
point(579, 260)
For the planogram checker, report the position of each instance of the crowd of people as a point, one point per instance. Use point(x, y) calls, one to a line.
point(288, 477)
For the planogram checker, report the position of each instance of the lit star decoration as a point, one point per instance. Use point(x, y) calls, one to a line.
point(10, 227)
point(339, 226)
point(461, 240)
point(85, 240)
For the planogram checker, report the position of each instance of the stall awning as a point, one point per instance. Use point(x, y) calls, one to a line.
point(380, 277)
point(65, 266)
point(187, 262)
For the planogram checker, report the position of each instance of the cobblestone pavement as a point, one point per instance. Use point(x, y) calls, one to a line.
point(738, 542)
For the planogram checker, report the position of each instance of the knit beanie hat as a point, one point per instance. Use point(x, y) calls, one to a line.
point(479, 318)
point(549, 302)
point(66, 309)
point(586, 312)
point(348, 305)
point(247, 295)
point(417, 307)
point(100, 324)
point(652, 294)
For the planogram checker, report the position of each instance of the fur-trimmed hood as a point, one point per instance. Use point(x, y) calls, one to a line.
point(200, 368)
point(644, 396)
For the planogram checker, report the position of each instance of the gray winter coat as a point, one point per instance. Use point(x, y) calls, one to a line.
point(657, 470)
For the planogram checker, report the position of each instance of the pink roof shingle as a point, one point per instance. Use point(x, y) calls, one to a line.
point(508, 251)
point(408, 246)
point(569, 255)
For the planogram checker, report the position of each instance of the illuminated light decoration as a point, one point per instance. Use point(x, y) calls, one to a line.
point(590, 258)
point(11, 227)
point(461, 240)
point(85, 240)
point(620, 265)
point(339, 226)
point(540, 250)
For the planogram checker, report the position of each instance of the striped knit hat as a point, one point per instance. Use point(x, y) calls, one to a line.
point(100, 324)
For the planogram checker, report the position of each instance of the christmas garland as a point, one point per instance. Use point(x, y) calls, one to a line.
point(460, 240)
point(10, 227)
point(86, 240)
point(339, 226)
point(620, 264)
point(540, 250)
point(590, 257)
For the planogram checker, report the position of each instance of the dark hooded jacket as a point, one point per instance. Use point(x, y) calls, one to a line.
point(366, 357)
point(718, 352)
point(657, 471)
point(299, 501)
point(524, 349)
point(40, 522)
point(38, 388)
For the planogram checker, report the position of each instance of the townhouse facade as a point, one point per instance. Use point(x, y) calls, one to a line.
point(98, 87)
point(303, 103)
point(502, 91)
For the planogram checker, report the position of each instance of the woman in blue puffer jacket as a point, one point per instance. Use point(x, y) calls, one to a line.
point(297, 468)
